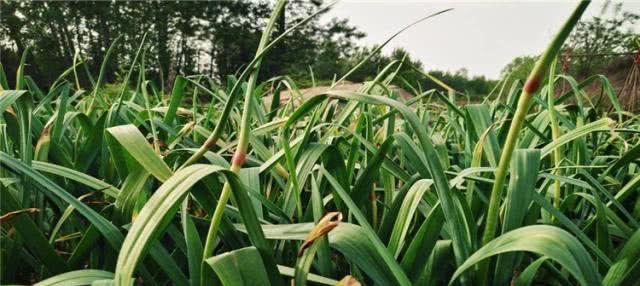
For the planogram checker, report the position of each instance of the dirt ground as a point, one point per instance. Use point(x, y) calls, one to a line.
point(343, 86)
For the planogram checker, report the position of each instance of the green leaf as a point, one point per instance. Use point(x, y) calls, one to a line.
point(8, 97)
point(422, 243)
point(76, 176)
point(32, 237)
point(78, 277)
point(480, 120)
point(361, 190)
point(406, 215)
point(626, 267)
point(135, 143)
point(603, 124)
point(163, 205)
point(454, 219)
point(549, 241)
point(176, 98)
point(288, 271)
point(108, 230)
point(397, 276)
point(526, 277)
point(523, 175)
point(160, 207)
point(240, 267)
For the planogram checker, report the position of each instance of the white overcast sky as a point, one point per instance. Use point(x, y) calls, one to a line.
point(481, 36)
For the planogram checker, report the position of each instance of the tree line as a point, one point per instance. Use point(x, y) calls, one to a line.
point(213, 38)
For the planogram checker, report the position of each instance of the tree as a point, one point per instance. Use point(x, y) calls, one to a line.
point(519, 68)
point(595, 42)
point(207, 37)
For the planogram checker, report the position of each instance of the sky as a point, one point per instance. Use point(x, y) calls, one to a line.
point(480, 36)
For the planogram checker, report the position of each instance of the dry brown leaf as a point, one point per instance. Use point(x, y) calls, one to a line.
point(10, 215)
point(324, 225)
point(348, 281)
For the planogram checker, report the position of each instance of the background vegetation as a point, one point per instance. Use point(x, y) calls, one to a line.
point(214, 38)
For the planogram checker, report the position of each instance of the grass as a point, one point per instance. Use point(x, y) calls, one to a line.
point(124, 185)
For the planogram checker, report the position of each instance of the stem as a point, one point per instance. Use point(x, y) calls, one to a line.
point(147, 104)
point(524, 102)
point(103, 67)
point(75, 72)
point(243, 140)
point(555, 133)
point(251, 67)
point(292, 170)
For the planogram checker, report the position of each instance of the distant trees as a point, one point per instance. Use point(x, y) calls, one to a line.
point(475, 86)
point(214, 38)
point(211, 37)
point(410, 75)
point(519, 68)
point(595, 42)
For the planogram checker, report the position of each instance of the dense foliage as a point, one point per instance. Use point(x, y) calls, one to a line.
point(209, 37)
point(214, 38)
point(603, 38)
point(121, 186)
point(609, 38)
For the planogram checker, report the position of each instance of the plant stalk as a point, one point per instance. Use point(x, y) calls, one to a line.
point(251, 67)
point(555, 133)
point(524, 102)
point(243, 140)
